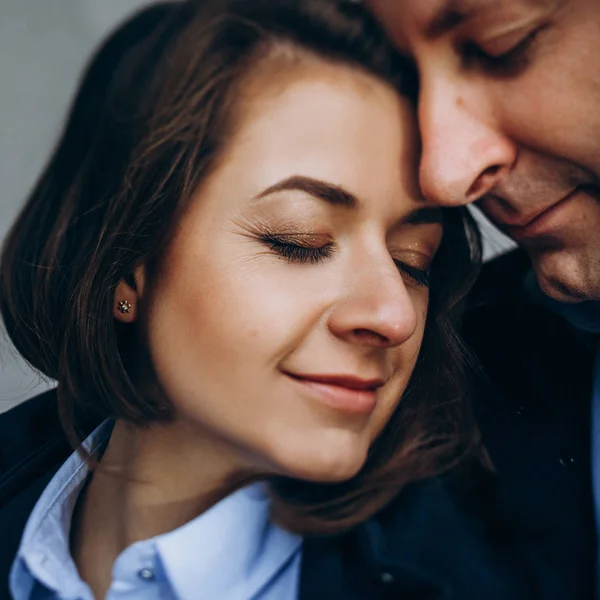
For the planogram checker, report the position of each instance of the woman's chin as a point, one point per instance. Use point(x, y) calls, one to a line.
point(322, 464)
point(331, 473)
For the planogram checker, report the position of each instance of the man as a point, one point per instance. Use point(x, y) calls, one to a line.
point(509, 112)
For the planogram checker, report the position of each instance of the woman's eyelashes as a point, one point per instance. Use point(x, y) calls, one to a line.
point(313, 249)
point(416, 274)
point(299, 248)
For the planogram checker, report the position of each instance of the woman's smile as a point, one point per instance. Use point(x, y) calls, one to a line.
point(346, 393)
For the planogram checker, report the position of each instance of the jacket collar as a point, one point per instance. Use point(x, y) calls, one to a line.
point(432, 543)
point(359, 565)
point(363, 564)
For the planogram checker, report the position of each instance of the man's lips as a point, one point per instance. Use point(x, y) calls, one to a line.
point(529, 220)
point(346, 393)
point(532, 224)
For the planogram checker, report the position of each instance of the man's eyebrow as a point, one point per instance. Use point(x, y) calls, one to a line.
point(424, 216)
point(450, 15)
point(328, 192)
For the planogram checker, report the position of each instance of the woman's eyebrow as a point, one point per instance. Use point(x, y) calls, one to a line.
point(336, 195)
point(328, 192)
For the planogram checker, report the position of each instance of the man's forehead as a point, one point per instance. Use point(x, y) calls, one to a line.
point(432, 18)
point(440, 16)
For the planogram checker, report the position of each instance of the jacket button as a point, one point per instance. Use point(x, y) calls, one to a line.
point(386, 577)
point(567, 461)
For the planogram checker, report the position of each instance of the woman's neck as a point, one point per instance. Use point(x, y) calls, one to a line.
point(150, 481)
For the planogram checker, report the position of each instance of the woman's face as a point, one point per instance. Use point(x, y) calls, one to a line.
point(288, 312)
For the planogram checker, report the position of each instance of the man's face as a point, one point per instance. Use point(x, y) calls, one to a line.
point(509, 110)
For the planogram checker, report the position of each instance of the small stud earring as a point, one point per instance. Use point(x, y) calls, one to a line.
point(124, 307)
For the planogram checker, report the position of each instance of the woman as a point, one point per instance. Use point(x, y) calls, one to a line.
point(233, 273)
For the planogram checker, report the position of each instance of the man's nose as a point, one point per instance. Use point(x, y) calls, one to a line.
point(464, 155)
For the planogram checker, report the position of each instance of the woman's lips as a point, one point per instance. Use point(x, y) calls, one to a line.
point(342, 392)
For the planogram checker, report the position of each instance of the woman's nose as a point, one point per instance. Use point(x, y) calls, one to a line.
point(375, 309)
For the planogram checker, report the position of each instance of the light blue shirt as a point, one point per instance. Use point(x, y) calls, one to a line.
point(231, 552)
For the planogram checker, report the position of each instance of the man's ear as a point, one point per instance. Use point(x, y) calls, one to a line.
point(128, 295)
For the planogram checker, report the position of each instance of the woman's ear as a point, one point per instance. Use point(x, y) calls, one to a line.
point(128, 295)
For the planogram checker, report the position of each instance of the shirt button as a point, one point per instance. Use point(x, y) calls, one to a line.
point(146, 574)
point(386, 577)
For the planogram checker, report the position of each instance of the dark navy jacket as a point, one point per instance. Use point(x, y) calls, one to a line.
point(526, 534)
point(535, 418)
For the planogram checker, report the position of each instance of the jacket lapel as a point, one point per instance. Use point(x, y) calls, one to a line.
point(355, 567)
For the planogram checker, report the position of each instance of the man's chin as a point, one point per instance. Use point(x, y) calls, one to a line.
point(561, 292)
point(565, 279)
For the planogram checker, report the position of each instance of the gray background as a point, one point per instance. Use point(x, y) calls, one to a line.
point(44, 45)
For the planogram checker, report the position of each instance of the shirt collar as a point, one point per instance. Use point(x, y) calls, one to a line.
point(44, 553)
point(232, 545)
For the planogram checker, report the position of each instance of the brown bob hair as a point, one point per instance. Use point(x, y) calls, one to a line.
point(151, 119)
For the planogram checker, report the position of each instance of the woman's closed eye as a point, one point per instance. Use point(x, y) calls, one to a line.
point(310, 248)
point(299, 248)
point(417, 275)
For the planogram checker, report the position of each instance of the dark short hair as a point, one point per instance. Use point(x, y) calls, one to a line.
point(152, 116)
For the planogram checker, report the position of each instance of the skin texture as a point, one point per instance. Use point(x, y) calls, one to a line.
point(227, 316)
point(508, 112)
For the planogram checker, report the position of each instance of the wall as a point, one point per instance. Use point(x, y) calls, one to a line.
point(43, 47)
